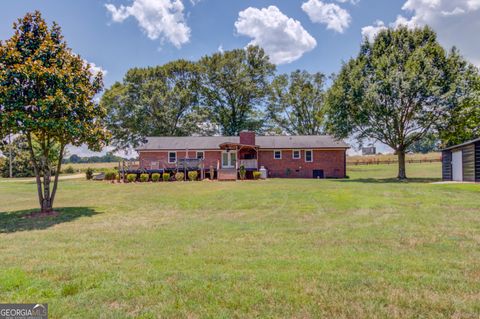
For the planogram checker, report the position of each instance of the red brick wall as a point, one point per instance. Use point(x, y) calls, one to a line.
point(247, 138)
point(332, 162)
point(146, 158)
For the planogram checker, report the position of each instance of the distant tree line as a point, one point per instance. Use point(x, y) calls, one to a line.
point(107, 158)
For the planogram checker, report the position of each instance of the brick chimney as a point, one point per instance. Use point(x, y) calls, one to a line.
point(247, 137)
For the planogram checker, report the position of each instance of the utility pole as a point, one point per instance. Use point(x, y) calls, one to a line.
point(10, 155)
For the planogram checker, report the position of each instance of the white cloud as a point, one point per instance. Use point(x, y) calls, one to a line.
point(95, 69)
point(332, 15)
point(349, 1)
point(283, 38)
point(162, 19)
point(456, 22)
point(371, 31)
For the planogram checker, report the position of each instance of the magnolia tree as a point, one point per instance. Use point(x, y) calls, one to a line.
point(47, 96)
point(401, 88)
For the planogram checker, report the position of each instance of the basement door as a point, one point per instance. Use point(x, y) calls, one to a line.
point(457, 166)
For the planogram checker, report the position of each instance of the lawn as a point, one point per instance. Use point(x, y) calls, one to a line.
point(82, 167)
point(365, 247)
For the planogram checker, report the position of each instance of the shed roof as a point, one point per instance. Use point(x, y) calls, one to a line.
point(265, 142)
point(461, 145)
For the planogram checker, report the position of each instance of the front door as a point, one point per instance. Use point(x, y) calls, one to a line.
point(229, 159)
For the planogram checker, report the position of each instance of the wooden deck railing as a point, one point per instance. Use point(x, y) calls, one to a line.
point(249, 163)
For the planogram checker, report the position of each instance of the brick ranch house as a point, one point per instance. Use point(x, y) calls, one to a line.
point(282, 156)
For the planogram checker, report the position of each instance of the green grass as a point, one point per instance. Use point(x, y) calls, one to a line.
point(366, 247)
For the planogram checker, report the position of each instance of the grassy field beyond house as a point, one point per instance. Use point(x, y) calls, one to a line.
point(365, 247)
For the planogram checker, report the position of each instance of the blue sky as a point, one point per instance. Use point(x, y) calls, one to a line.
point(116, 47)
point(316, 35)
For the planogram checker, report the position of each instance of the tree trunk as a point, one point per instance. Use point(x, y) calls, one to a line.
point(36, 170)
point(57, 173)
point(402, 173)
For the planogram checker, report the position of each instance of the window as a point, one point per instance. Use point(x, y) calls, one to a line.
point(200, 155)
point(277, 154)
point(296, 154)
point(172, 157)
point(309, 156)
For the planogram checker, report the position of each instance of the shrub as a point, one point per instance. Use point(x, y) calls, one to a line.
point(117, 177)
point(243, 172)
point(69, 170)
point(166, 177)
point(155, 177)
point(110, 175)
point(179, 176)
point(288, 172)
point(192, 176)
point(144, 178)
point(256, 175)
point(131, 178)
point(89, 173)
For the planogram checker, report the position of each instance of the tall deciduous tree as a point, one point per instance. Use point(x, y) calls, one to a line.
point(401, 87)
point(296, 103)
point(162, 101)
point(234, 84)
point(464, 122)
point(47, 97)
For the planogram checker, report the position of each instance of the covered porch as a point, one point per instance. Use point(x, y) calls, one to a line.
point(234, 156)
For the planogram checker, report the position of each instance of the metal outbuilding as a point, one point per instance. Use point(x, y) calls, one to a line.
point(462, 162)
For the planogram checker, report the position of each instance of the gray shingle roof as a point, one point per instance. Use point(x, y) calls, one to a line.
point(463, 144)
point(212, 142)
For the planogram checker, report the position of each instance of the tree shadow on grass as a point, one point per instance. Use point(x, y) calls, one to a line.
point(11, 222)
point(391, 180)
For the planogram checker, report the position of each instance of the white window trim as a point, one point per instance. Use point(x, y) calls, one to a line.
point(196, 154)
point(274, 154)
point(306, 156)
point(299, 154)
point(170, 162)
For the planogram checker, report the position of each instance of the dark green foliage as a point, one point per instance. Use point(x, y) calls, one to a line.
point(47, 97)
point(166, 177)
point(234, 84)
point(257, 175)
point(296, 103)
point(155, 177)
point(242, 172)
point(107, 158)
point(69, 170)
point(399, 89)
point(21, 162)
point(131, 178)
point(110, 175)
point(89, 173)
point(155, 101)
point(144, 178)
point(179, 176)
point(429, 143)
point(193, 176)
